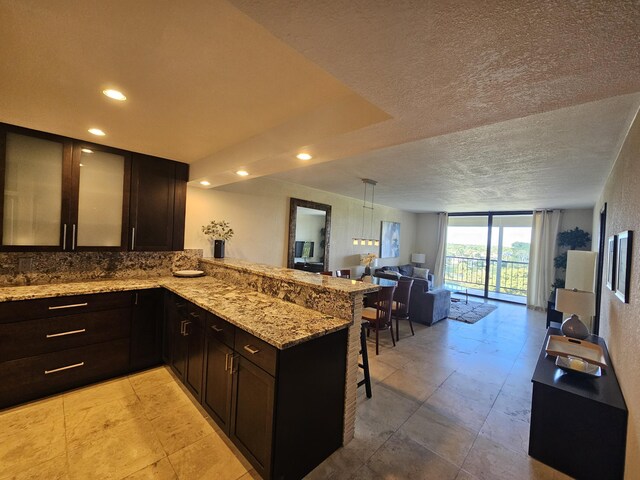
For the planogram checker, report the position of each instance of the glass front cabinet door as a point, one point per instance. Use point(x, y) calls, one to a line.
point(61, 195)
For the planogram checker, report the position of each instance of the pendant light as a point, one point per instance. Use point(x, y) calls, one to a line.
point(362, 240)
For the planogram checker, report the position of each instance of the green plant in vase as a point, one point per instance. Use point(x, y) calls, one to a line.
point(218, 231)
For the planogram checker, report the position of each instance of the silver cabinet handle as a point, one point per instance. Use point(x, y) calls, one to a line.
point(64, 237)
point(251, 349)
point(215, 328)
point(133, 238)
point(70, 332)
point(73, 236)
point(231, 358)
point(68, 367)
point(182, 327)
point(73, 305)
point(226, 362)
point(186, 324)
point(135, 302)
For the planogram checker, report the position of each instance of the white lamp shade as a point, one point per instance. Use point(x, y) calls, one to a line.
point(581, 270)
point(418, 257)
point(575, 301)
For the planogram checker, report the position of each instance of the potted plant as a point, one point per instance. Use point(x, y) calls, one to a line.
point(576, 239)
point(219, 232)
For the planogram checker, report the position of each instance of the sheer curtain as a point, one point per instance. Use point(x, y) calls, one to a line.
point(443, 222)
point(544, 233)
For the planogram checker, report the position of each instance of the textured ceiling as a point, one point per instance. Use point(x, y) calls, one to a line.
point(555, 159)
point(449, 105)
point(498, 74)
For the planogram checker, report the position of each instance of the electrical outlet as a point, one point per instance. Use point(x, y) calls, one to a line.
point(25, 264)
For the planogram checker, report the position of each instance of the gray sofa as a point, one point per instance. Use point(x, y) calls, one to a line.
point(426, 305)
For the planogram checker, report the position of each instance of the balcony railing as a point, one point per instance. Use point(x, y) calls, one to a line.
point(504, 276)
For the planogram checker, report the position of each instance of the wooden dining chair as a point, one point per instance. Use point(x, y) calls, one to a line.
point(378, 316)
point(328, 273)
point(344, 273)
point(400, 307)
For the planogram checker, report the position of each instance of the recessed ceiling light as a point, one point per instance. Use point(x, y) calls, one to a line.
point(115, 94)
point(242, 173)
point(205, 183)
point(97, 131)
point(87, 150)
point(304, 156)
point(81, 165)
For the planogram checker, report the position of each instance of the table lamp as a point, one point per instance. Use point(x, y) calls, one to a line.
point(418, 258)
point(575, 302)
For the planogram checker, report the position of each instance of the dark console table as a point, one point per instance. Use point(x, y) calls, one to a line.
point(578, 424)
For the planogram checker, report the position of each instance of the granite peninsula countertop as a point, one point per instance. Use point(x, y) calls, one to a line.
point(277, 322)
point(296, 276)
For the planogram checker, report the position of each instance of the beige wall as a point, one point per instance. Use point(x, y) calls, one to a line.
point(258, 211)
point(427, 238)
point(578, 217)
point(620, 323)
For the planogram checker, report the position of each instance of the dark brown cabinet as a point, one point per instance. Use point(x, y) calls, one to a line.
point(61, 194)
point(194, 333)
point(218, 381)
point(186, 332)
point(54, 344)
point(283, 409)
point(146, 329)
point(252, 413)
point(158, 189)
point(578, 424)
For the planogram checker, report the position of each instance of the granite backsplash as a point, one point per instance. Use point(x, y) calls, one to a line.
point(40, 268)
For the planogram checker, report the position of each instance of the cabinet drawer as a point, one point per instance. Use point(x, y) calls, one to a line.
point(256, 351)
point(45, 335)
point(32, 377)
point(220, 329)
point(59, 306)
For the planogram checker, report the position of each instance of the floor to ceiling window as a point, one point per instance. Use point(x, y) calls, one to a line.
point(488, 254)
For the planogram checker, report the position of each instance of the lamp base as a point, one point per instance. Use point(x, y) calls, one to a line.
point(574, 328)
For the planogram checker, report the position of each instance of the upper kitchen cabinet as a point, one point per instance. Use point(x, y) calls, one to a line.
point(62, 194)
point(101, 182)
point(158, 194)
point(35, 171)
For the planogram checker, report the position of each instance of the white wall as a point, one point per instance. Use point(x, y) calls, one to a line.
point(258, 211)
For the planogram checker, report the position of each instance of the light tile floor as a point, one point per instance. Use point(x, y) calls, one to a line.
point(451, 402)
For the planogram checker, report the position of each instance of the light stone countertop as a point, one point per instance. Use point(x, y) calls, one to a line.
point(277, 322)
point(335, 284)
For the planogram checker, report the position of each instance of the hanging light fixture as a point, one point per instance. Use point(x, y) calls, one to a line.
point(362, 240)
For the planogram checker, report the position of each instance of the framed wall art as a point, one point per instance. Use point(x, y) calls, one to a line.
point(390, 240)
point(611, 262)
point(623, 265)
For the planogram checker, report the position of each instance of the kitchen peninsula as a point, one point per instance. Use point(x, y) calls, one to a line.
point(283, 344)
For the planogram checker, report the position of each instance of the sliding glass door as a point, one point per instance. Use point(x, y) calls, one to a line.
point(488, 255)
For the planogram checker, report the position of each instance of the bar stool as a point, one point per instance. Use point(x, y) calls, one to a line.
point(365, 361)
point(378, 317)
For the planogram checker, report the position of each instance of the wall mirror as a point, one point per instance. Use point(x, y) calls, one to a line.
point(309, 234)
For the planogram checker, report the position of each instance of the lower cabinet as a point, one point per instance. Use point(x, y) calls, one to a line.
point(184, 335)
point(283, 409)
point(146, 329)
point(252, 408)
point(52, 344)
point(218, 381)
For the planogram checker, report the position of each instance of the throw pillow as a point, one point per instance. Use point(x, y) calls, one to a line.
point(421, 272)
point(406, 270)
